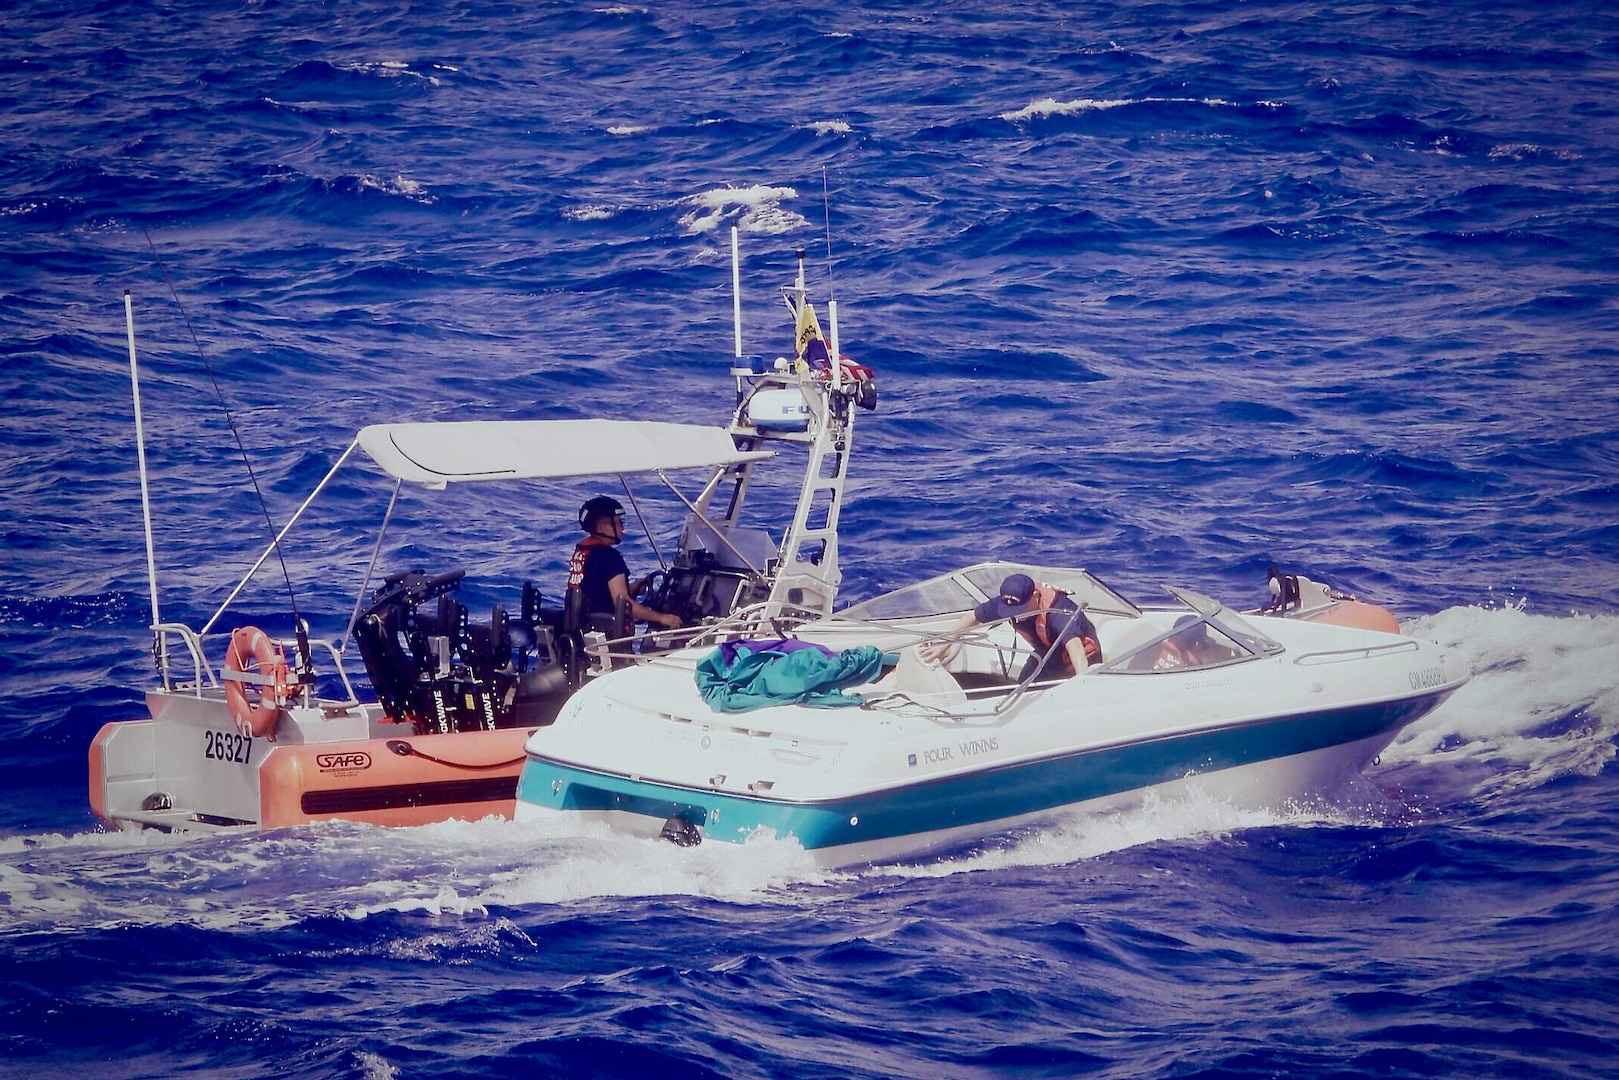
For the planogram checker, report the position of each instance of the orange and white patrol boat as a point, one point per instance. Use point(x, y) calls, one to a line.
point(248, 731)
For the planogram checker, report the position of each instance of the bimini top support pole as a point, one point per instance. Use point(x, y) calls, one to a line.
point(280, 536)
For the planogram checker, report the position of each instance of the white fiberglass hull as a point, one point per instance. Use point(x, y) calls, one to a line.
point(1258, 785)
point(905, 774)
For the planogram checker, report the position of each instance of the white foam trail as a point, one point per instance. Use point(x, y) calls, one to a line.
point(559, 861)
point(400, 185)
point(1192, 815)
point(456, 869)
point(1045, 107)
point(374, 1067)
point(394, 69)
point(1543, 702)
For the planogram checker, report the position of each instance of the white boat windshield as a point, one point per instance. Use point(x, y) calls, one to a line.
point(1081, 585)
point(936, 596)
point(965, 589)
point(1209, 636)
point(1227, 621)
point(1194, 643)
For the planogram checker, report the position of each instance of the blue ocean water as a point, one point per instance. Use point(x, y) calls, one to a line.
point(1171, 291)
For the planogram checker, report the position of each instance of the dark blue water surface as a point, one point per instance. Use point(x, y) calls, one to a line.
point(1167, 290)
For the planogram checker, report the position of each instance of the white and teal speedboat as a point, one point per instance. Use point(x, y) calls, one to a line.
point(1254, 708)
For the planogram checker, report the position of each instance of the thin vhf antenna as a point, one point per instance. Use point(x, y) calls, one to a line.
point(826, 216)
point(292, 597)
point(831, 289)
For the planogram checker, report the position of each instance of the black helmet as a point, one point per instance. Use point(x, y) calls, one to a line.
point(595, 509)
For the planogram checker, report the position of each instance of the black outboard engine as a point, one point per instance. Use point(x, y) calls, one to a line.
point(418, 648)
point(431, 666)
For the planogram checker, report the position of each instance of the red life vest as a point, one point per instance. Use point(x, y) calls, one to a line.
point(576, 580)
point(1043, 599)
point(581, 553)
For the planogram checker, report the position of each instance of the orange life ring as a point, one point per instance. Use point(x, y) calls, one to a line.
point(255, 717)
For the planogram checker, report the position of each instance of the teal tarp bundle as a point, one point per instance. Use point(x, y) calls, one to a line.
point(743, 675)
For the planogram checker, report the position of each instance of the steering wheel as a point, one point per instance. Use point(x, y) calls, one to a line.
point(653, 590)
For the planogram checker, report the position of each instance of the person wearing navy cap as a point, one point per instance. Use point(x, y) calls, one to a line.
point(1044, 616)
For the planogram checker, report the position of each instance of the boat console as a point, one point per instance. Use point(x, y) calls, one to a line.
point(703, 592)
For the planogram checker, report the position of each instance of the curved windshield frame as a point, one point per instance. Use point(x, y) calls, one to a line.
point(1228, 621)
point(1212, 636)
point(964, 589)
point(935, 596)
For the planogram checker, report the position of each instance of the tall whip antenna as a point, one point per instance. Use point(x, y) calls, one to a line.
point(736, 292)
point(826, 216)
point(831, 291)
point(292, 598)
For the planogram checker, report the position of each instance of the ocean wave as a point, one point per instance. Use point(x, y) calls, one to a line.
point(318, 82)
point(1049, 108)
point(468, 871)
point(756, 209)
point(1045, 107)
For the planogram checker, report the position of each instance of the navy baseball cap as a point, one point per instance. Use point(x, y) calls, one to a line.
point(1013, 598)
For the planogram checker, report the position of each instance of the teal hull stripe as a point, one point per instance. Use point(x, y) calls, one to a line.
point(975, 798)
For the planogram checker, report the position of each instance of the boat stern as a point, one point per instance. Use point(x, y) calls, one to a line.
point(122, 769)
point(187, 768)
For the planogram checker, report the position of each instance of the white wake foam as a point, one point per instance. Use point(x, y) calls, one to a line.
point(1543, 702)
point(1192, 815)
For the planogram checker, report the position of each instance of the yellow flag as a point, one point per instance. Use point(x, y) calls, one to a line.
point(811, 343)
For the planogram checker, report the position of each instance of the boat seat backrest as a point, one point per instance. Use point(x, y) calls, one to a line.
point(573, 610)
point(915, 676)
point(613, 625)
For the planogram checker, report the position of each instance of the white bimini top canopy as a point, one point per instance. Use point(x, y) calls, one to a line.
point(437, 454)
